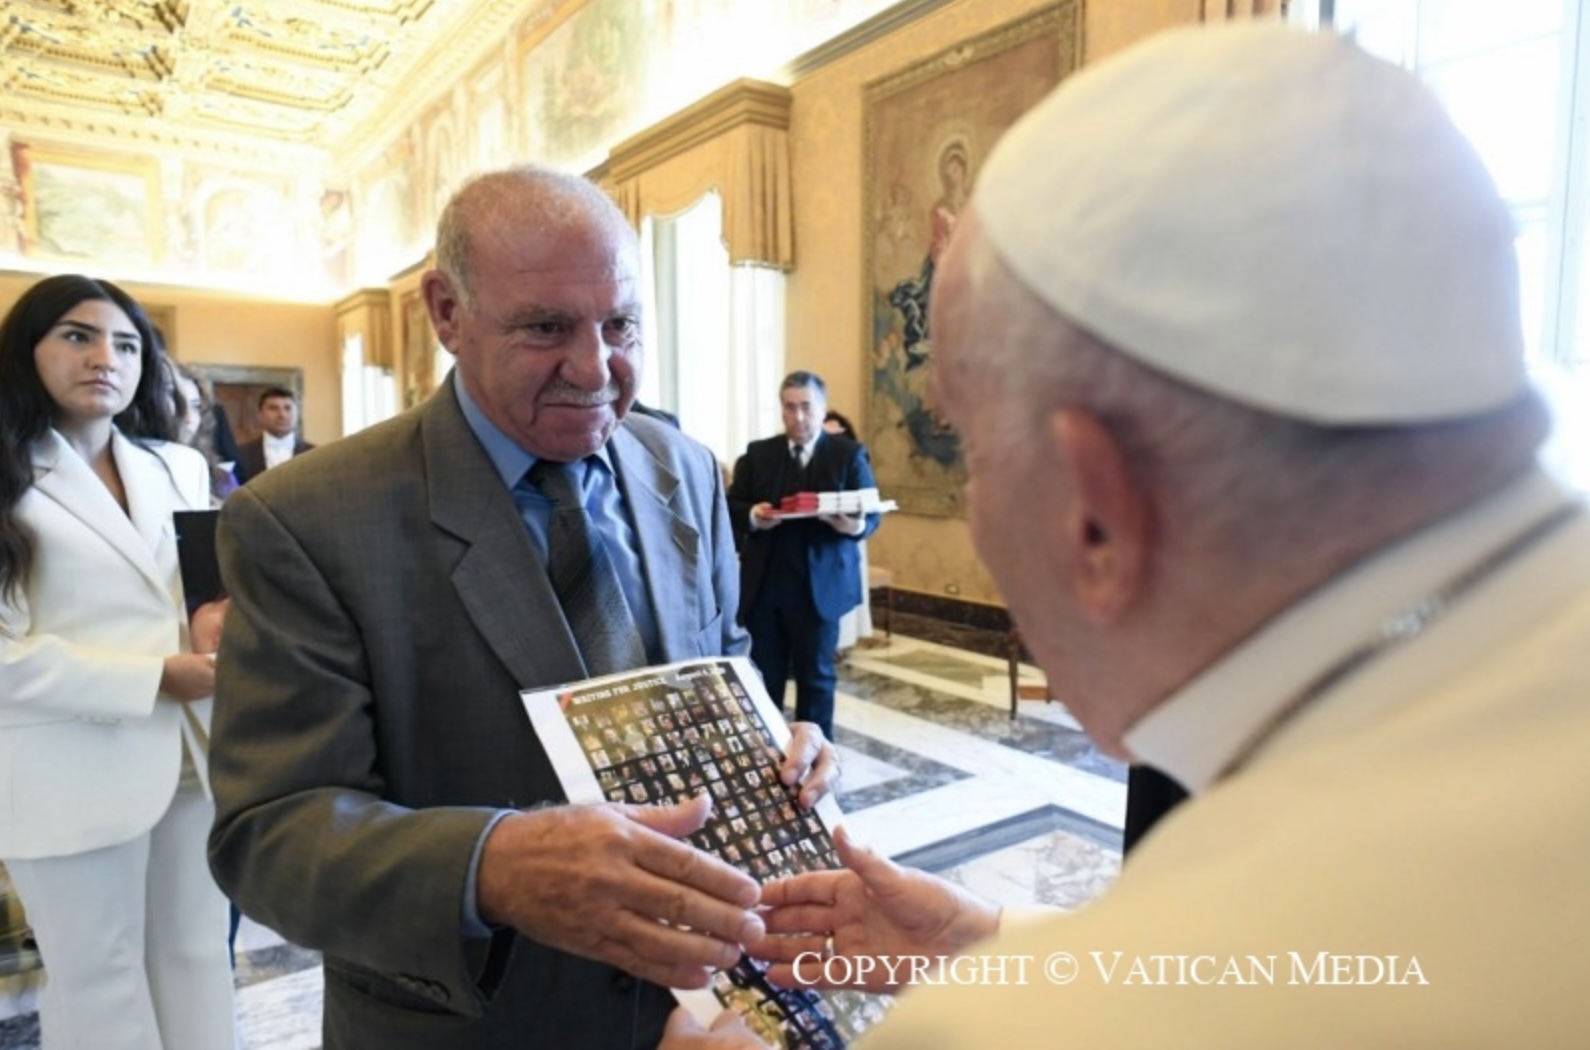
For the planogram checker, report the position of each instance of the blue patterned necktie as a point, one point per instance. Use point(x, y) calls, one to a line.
point(583, 576)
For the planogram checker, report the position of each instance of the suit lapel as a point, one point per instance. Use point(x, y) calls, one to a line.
point(821, 472)
point(148, 478)
point(499, 579)
point(251, 457)
point(670, 547)
point(63, 476)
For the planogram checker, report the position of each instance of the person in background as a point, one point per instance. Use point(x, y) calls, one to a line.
point(836, 423)
point(225, 440)
point(278, 441)
point(1231, 334)
point(104, 686)
point(196, 429)
point(798, 578)
point(382, 796)
point(196, 425)
point(857, 623)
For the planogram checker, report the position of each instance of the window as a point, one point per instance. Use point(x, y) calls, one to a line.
point(1515, 75)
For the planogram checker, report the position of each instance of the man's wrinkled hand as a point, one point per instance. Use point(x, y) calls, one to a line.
point(613, 883)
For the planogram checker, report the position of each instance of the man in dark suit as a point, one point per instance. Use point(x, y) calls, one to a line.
point(278, 441)
point(381, 795)
point(797, 578)
point(225, 439)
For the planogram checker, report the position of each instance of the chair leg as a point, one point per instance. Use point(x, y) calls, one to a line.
point(1013, 656)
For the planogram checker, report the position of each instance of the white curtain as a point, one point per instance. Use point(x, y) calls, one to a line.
point(369, 392)
point(716, 344)
point(756, 354)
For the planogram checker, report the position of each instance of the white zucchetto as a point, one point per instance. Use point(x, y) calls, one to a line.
point(1272, 216)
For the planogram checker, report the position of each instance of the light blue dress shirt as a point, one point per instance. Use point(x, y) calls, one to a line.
point(605, 503)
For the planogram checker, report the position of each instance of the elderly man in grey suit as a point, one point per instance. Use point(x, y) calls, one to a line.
point(381, 795)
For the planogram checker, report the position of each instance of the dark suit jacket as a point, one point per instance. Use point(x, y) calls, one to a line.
point(387, 608)
point(225, 439)
point(251, 457)
point(835, 567)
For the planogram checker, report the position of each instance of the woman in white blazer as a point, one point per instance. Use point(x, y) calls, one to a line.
point(104, 808)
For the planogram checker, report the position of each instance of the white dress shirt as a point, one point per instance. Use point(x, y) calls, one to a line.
point(279, 450)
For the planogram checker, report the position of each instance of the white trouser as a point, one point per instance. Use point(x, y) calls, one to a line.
point(134, 939)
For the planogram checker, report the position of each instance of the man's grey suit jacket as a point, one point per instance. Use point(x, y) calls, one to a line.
point(387, 607)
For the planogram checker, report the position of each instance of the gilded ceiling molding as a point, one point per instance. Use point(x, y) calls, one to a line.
point(444, 65)
point(209, 75)
point(735, 141)
point(66, 126)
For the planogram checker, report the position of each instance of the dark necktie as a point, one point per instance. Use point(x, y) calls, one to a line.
point(583, 576)
point(794, 472)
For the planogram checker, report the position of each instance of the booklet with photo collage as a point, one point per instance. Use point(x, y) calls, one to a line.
point(666, 734)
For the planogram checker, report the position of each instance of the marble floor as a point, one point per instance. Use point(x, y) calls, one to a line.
point(936, 774)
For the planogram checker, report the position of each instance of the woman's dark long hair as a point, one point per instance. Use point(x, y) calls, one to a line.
point(27, 411)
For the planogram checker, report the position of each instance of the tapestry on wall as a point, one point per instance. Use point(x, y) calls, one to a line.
point(927, 130)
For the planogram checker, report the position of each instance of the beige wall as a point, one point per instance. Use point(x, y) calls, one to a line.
point(216, 328)
point(826, 299)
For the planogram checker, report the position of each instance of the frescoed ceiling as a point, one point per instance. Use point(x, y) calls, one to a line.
point(234, 76)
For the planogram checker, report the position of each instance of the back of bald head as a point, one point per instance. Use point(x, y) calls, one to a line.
point(530, 197)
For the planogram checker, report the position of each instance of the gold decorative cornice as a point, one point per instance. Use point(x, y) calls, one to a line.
point(740, 103)
point(735, 142)
point(368, 312)
point(364, 299)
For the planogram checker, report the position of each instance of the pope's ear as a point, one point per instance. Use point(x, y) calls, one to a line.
point(1107, 523)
